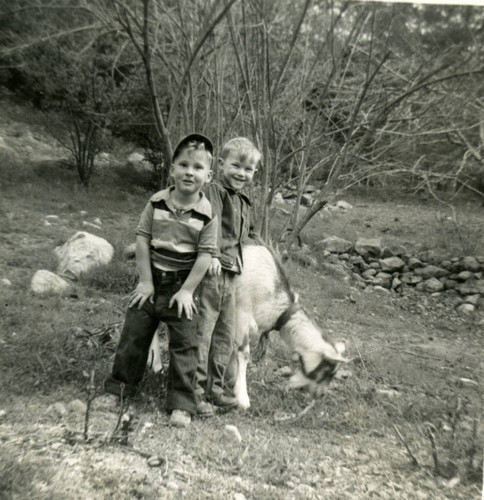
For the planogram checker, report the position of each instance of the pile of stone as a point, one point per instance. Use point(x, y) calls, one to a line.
point(393, 268)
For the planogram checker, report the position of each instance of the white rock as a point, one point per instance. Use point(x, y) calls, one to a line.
point(82, 252)
point(90, 224)
point(60, 409)
point(6, 282)
point(466, 308)
point(391, 393)
point(232, 432)
point(52, 217)
point(139, 162)
point(472, 299)
point(155, 461)
point(344, 205)
point(77, 406)
point(468, 381)
point(98, 221)
point(278, 199)
point(47, 282)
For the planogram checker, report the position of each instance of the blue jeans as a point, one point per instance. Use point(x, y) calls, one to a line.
point(133, 348)
point(216, 331)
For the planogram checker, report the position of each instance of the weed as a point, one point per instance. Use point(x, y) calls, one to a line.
point(117, 277)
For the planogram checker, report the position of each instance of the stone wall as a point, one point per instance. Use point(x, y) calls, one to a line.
point(393, 269)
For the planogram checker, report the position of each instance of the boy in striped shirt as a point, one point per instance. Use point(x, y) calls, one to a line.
point(175, 240)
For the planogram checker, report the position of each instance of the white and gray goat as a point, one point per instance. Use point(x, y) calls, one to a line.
point(265, 302)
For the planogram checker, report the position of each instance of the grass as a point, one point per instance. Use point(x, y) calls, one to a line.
point(406, 369)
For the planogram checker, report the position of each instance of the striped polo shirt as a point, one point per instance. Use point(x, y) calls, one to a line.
point(176, 236)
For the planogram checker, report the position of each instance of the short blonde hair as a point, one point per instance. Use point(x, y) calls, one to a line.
point(244, 147)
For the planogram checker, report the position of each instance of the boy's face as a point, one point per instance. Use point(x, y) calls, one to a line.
point(236, 171)
point(190, 171)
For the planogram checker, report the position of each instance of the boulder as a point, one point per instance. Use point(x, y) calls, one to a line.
point(343, 205)
point(358, 261)
point(368, 247)
point(413, 263)
point(471, 287)
point(46, 282)
point(466, 308)
point(334, 244)
point(470, 264)
point(464, 276)
point(138, 162)
point(392, 264)
point(382, 279)
point(369, 273)
point(82, 252)
point(431, 271)
point(433, 285)
point(410, 279)
point(394, 251)
point(472, 299)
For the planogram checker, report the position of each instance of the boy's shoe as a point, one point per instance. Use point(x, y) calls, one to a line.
point(205, 409)
point(223, 401)
point(180, 418)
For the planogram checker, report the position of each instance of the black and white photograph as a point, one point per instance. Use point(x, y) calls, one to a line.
point(241, 249)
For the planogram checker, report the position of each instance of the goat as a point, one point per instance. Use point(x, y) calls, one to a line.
point(265, 302)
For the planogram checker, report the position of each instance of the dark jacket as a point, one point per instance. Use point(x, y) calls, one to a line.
point(233, 210)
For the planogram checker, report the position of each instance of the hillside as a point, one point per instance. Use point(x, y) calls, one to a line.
point(403, 419)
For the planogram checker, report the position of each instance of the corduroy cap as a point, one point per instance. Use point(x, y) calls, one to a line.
point(193, 137)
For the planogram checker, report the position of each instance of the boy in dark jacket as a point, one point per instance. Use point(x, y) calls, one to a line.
point(214, 387)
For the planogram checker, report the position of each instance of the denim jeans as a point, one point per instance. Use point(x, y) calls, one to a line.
point(216, 332)
point(133, 348)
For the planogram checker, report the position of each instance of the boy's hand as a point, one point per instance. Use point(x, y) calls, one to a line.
point(215, 267)
point(143, 292)
point(184, 300)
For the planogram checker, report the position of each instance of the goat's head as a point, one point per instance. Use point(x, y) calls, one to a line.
point(317, 369)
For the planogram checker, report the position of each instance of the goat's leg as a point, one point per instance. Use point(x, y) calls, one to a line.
point(154, 356)
point(243, 355)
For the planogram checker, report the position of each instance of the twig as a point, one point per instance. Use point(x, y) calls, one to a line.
point(308, 407)
point(121, 411)
point(412, 456)
point(473, 447)
point(361, 358)
point(91, 394)
point(435, 456)
point(299, 415)
point(454, 422)
point(425, 356)
point(74, 437)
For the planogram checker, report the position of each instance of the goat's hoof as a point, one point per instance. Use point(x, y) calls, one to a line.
point(243, 403)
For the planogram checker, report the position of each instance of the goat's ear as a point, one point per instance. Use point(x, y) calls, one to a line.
point(340, 348)
point(298, 380)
